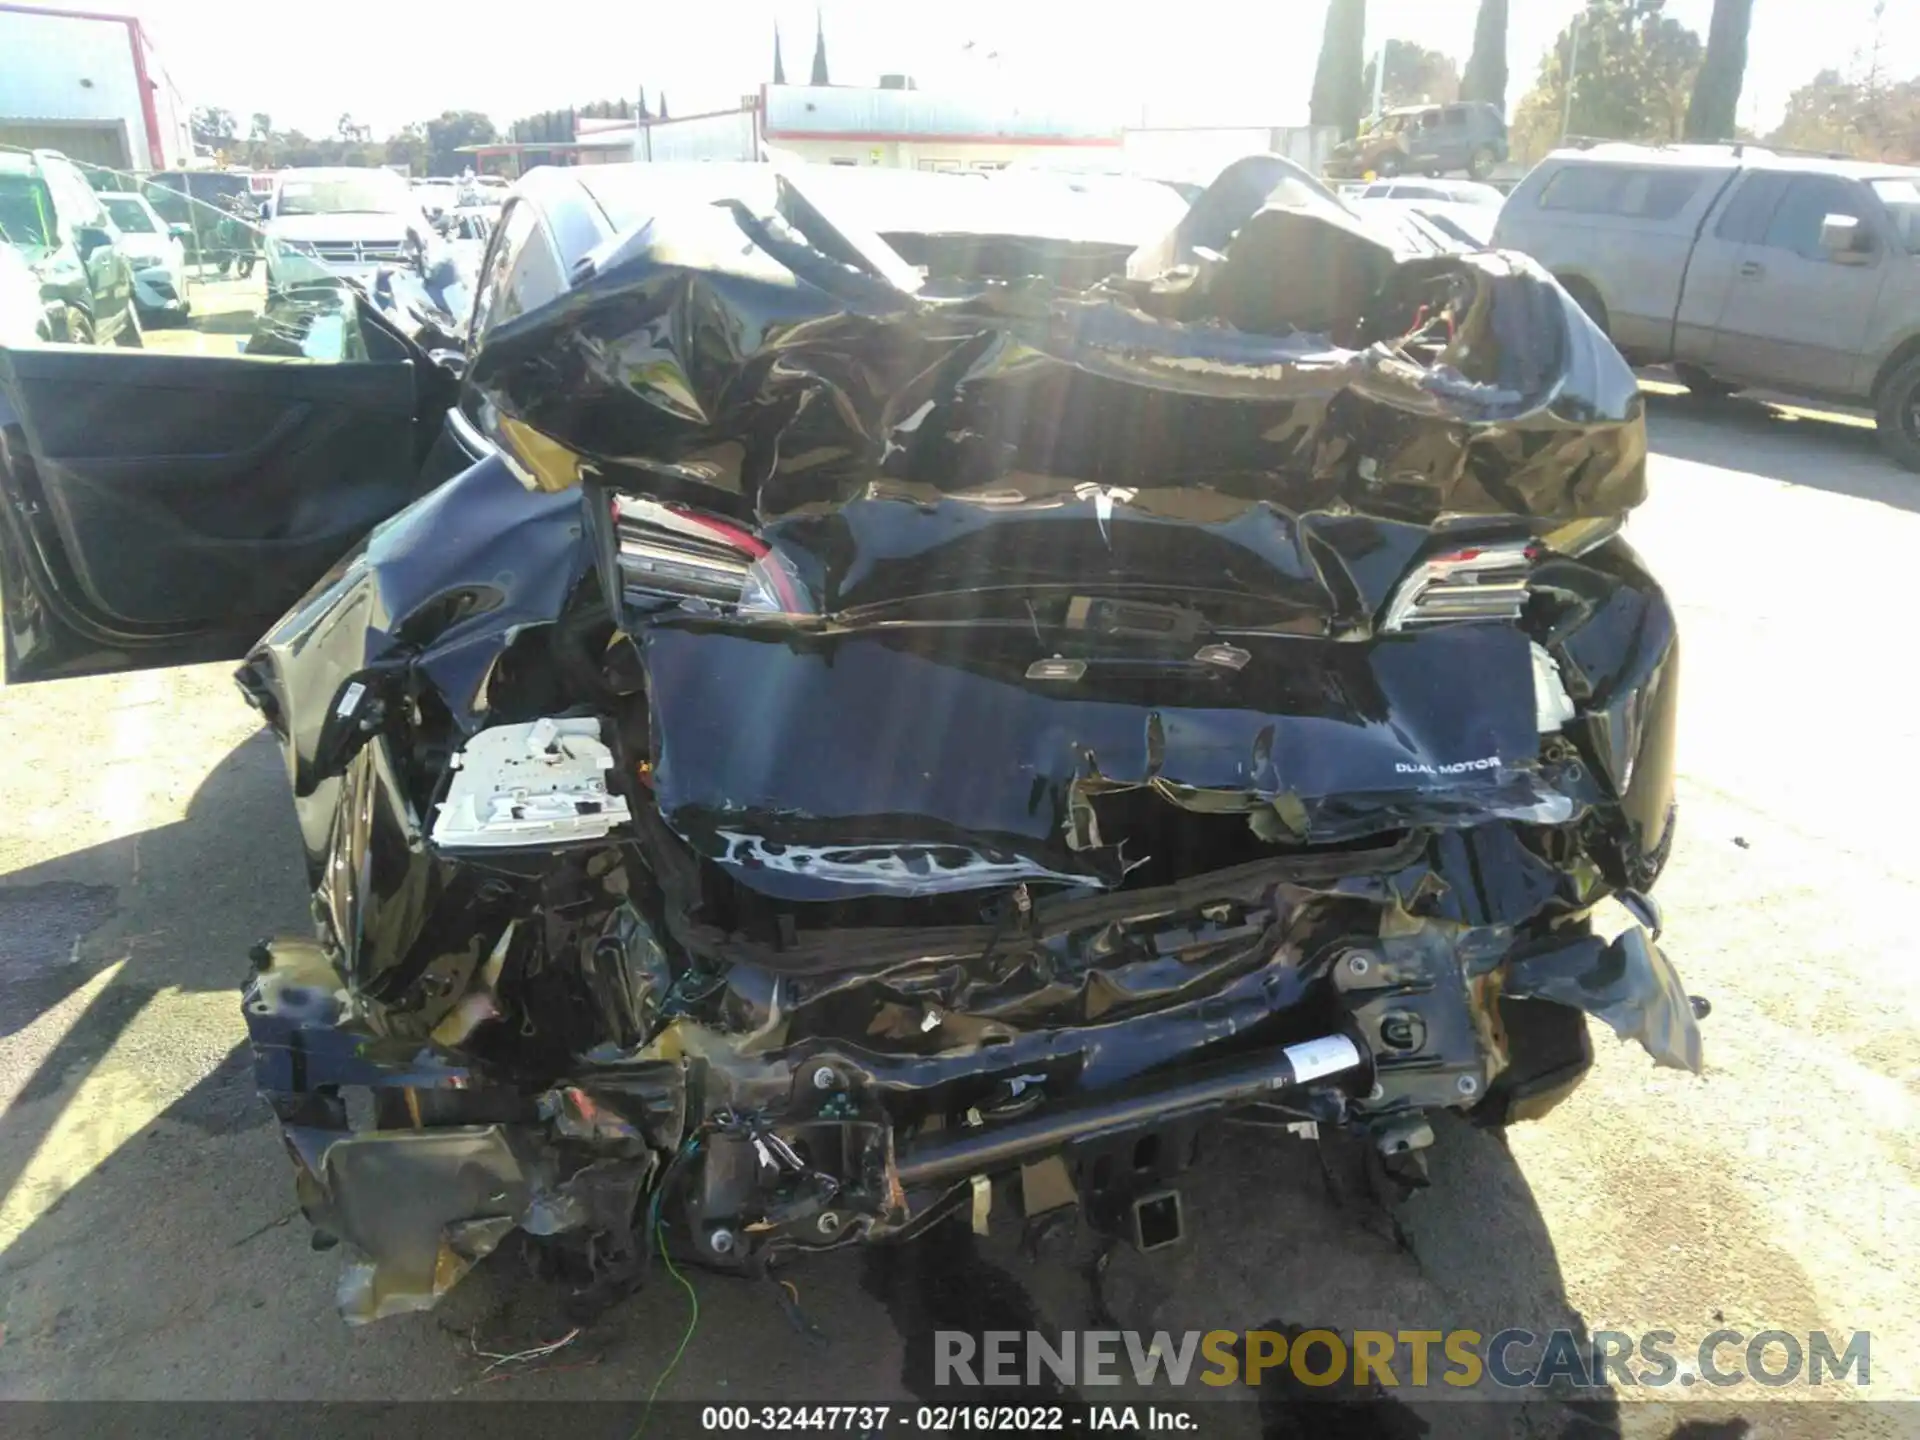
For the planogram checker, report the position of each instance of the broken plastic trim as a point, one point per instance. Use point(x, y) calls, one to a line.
point(522, 785)
point(1483, 582)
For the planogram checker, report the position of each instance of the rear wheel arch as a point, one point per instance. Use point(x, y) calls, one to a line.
point(1907, 349)
point(1587, 296)
point(1896, 405)
point(77, 321)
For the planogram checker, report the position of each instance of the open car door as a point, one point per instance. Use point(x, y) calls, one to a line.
point(165, 505)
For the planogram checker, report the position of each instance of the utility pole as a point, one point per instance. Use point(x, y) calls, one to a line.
point(1379, 78)
point(1573, 74)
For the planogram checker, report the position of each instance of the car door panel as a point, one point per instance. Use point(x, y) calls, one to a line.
point(1713, 268)
point(1794, 317)
point(164, 507)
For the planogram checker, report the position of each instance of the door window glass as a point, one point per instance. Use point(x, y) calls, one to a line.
point(521, 272)
point(1745, 218)
point(1901, 196)
point(1809, 200)
point(26, 210)
point(95, 256)
point(1640, 193)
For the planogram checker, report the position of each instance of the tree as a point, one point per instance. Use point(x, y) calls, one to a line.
point(1414, 74)
point(448, 132)
point(211, 126)
point(1486, 77)
point(779, 65)
point(349, 131)
point(663, 106)
point(1338, 99)
point(410, 147)
point(1636, 69)
point(297, 149)
point(819, 50)
point(261, 126)
point(1864, 118)
point(1716, 94)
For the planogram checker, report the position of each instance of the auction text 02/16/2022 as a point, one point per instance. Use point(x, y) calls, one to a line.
point(944, 1419)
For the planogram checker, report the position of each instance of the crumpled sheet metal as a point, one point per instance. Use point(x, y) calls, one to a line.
point(1629, 983)
point(852, 734)
point(420, 1208)
point(740, 367)
point(446, 582)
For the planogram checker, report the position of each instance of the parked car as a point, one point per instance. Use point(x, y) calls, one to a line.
point(1741, 267)
point(352, 220)
point(436, 195)
point(158, 257)
point(848, 712)
point(199, 200)
point(56, 223)
point(24, 319)
point(1452, 192)
point(1426, 140)
point(1470, 226)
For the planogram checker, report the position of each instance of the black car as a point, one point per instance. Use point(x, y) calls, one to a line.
point(876, 688)
point(51, 216)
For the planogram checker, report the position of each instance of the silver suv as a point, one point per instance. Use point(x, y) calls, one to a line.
point(1741, 266)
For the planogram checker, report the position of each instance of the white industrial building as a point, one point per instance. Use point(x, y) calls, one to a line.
point(90, 85)
point(888, 125)
point(911, 129)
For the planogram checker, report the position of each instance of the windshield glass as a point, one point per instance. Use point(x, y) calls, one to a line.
point(378, 191)
point(1901, 195)
point(128, 214)
point(26, 210)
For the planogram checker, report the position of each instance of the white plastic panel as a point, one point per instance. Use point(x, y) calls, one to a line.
point(530, 785)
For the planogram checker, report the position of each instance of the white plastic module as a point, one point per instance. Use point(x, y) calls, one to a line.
point(529, 785)
point(1552, 706)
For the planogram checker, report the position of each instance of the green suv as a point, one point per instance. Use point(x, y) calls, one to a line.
point(50, 215)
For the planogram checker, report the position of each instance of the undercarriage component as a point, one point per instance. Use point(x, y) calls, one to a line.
point(1159, 1223)
point(1280, 1078)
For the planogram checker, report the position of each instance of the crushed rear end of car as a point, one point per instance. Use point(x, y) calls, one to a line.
point(892, 739)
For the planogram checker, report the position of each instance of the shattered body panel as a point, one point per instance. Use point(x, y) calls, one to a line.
point(1032, 719)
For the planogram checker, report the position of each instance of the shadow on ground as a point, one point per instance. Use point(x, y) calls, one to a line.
point(177, 1268)
point(1798, 447)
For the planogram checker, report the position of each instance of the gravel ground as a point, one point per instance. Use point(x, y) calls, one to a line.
point(149, 1249)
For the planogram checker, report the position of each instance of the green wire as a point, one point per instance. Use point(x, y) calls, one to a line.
point(693, 1322)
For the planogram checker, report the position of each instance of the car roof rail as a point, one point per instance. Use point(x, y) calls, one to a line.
point(1736, 148)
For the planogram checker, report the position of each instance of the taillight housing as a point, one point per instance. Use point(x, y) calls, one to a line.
point(664, 552)
point(1476, 582)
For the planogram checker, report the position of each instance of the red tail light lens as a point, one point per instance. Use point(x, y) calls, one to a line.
point(1484, 582)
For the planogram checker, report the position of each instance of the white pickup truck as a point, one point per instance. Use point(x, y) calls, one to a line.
point(1741, 266)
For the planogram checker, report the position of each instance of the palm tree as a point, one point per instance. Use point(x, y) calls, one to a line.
point(819, 49)
point(1337, 96)
point(1716, 94)
point(1486, 77)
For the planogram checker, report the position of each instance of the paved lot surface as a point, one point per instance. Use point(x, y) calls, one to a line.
point(224, 309)
point(148, 1246)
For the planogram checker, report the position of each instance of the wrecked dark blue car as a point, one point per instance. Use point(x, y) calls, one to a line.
point(907, 693)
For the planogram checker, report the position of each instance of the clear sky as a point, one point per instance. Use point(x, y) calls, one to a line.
point(1219, 62)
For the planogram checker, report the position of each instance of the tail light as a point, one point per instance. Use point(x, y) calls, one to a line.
point(666, 553)
point(1483, 582)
